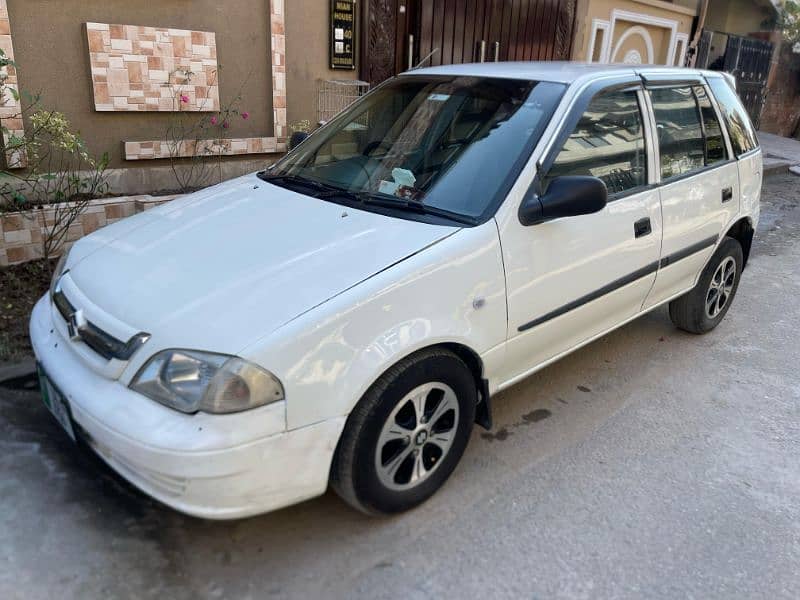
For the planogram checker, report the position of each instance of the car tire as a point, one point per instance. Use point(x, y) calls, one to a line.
point(389, 459)
point(701, 309)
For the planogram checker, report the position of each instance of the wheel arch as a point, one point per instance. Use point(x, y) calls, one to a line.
point(483, 413)
point(742, 231)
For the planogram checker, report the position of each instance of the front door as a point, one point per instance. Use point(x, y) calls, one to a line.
point(571, 279)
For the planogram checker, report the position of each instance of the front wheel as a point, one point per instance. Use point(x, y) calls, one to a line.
point(702, 308)
point(407, 434)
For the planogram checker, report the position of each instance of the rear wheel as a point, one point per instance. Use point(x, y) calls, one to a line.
point(702, 308)
point(407, 434)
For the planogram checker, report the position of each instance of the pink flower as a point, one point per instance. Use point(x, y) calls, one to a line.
point(225, 125)
point(245, 115)
point(184, 98)
point(214, 120)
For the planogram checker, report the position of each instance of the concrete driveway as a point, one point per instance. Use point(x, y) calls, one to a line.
point(652, 463)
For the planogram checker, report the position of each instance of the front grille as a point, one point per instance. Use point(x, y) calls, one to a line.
point(104, 344)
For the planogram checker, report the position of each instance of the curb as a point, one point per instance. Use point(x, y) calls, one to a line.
point(20, 369)
point(777, 167)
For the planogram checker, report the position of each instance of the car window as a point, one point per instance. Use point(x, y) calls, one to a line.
point(607, 142)
point(743, 137)
point(680, 135)
point(446, 142)
point(715, 144)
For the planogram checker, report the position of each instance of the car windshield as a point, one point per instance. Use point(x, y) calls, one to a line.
point(449, 144)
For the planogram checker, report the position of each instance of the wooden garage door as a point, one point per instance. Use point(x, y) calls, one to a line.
point(456, 31)
point(505, 29)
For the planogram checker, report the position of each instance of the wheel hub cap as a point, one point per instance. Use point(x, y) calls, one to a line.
point(416, 436)
point(721, 287)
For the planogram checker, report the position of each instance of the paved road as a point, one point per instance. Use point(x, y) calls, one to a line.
point(652, 463)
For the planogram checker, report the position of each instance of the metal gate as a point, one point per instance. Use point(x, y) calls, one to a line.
point(494, 30)
point(401, 33)
point(747, 59)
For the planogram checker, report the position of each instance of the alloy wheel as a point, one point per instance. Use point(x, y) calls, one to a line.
point(416, 436)
point(721, 287)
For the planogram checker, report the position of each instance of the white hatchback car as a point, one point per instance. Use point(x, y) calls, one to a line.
point(345, 316)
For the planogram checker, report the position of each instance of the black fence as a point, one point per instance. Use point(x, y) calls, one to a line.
point(747, 59)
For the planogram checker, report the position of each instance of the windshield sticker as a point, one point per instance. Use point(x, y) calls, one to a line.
point(403, 180)
point(439, 97)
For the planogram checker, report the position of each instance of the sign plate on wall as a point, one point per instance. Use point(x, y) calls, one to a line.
point(343, 34)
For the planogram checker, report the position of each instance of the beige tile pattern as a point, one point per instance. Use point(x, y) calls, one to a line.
point(278, 40)
point(10, 108)
point(138, 68)
point(21, 232)
point(233, 146)
point(221, 147)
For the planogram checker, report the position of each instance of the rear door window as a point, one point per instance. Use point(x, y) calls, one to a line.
point(607, 143)
point(680, 133)
point(715, 143)
point(743, 136)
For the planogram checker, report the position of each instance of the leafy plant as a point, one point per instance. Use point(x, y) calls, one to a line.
point(302, 126)
point(788, 22)
point(60, 178)
point(196, 140)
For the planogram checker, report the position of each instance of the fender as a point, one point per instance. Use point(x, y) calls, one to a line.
point(451, 293)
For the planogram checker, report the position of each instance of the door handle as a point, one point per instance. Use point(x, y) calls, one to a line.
point(727, 194)
point(642, 227)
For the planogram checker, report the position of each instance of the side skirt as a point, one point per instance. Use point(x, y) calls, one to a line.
point(549, 361)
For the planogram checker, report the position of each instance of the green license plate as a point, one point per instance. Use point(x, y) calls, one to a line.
point(56, 403)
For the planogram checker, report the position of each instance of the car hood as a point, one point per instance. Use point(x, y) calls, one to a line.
point(218, 269)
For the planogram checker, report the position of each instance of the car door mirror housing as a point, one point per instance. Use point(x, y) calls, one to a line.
point(567, 196)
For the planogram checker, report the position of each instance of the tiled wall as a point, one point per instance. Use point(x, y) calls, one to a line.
point(21, 232)
point(153, 149)
point(223, 147)
point(132, 67)
point(278, 37)
point(152, 68)
point(10, 109)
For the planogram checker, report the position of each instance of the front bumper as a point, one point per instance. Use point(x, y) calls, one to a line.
point(211, 466)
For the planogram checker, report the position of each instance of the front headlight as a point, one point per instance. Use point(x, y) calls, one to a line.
point(191, 381)
point(59, 270)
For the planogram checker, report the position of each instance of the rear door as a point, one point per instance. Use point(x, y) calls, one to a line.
point(699, 182)
point(743, 142)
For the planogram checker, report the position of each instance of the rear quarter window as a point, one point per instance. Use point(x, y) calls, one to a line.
point(743, 136)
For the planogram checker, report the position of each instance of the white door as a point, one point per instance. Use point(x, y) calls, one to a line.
point(573, 278)
point(743, 142)
point(700, 185)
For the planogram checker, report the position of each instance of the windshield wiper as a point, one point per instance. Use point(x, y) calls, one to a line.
point(329, 192)
point(415, 206)
point(396, 203)
point(295, 180)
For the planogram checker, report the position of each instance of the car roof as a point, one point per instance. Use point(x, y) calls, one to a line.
point(555, 71)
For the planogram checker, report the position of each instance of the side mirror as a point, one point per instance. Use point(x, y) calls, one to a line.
point(567, 196)
point(297, 138)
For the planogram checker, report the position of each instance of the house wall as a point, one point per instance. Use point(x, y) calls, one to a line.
point(737, 16)
point(52, 54)
point(781, 114)
point(649, 31)
point(307, 40)
point(53, 60)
